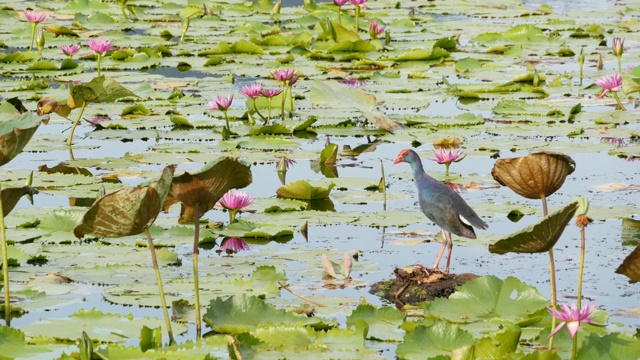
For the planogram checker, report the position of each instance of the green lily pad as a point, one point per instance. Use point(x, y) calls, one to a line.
point(383, 322)
point(238, 314)
point(430, 342)
point(538, 237)
point(302, 190)
point(245, 229)
point(98, 325)
point(508, 299)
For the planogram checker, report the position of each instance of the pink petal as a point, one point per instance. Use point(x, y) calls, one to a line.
point(573, 327)
point(556, 330)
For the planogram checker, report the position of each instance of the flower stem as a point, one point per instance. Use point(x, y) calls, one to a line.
point(579, 295)
point(269, 115)
point(232, 216)
point(257, 111)
point(620, 64)
point(75, 124)
point(196, 278)
point(620, 106)
point(340, 15)
point(163, 301)
point(99, 58)
point(33, 34)
point(291, 104)
point(5, 268)
point(357, 18)
point(226, 119)
point(284, 97)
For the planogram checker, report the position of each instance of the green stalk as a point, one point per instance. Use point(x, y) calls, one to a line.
point(340, 15)
point(196, 278)
point(99, 58)
point(232, 216)
point(580, 274)
point(552, 275)
point(291, 105)
point(284, 96)
point(33, 34)
point(5, 267)
point(75, 123)
point(615, 95)
point(163, 301)
point(257, 111)
point(619, 64)
point(269, 115)
point(357, 18)
point(226, 119)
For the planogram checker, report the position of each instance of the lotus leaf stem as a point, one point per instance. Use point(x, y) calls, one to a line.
point(5, 267)
point(552, 274)
point(163, 301)
point(196, 278)
point(75, 124)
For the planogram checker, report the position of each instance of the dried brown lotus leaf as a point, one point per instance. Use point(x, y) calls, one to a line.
point(536, 175)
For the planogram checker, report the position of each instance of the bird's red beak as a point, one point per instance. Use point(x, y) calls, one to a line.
point(398, 159)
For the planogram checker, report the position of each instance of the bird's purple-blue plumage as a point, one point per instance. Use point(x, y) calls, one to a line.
point(440, 203)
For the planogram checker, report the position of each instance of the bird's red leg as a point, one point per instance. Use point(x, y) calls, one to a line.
point(450, 246)
point(444, 244)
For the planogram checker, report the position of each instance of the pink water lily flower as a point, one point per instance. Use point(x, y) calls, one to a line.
point(359, 3)
point(284, 74)
point(376, 29)
point(447, 156)
point(340, 2)
point(271, 92)
point(70, 50)
point(572, 317)
point(35, 16)
point(220, 103)
point(99, 46)
point(234, 244)
point(609, 83)
point(235, 200)
point(253, 91)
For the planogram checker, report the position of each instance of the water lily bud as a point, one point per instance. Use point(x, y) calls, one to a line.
point(600, 64)
point(617, 47)
point(581, 57)
point(40, 40)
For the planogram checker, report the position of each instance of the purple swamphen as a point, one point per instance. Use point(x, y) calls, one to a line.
point(442, 205)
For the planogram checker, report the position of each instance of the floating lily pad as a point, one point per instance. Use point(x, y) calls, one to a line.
point(239, 314)
point(98, 325)
point(509, 299)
